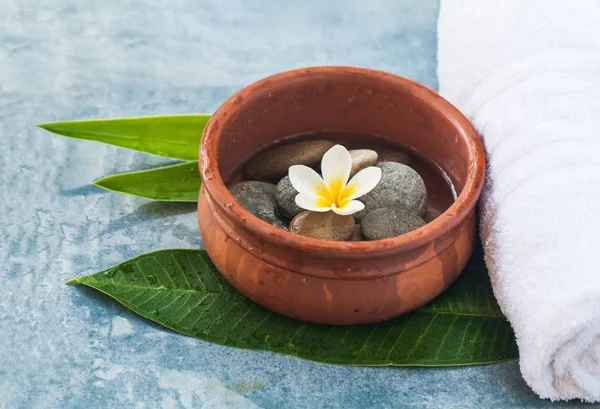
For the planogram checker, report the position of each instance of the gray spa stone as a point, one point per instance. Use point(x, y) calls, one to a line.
point(432, 214)
point(389, 222)
point(401, 186)
point(274, 163)
point(259, 199)
point(393, 155)
point(285, 197)
point(362, 158)
point(357, 234)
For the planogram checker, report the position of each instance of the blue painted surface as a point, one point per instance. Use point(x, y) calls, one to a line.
point(67, 347)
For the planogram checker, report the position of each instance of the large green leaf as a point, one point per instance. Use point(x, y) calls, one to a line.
point(182, 290)
point(174, 136)
point(176, 183)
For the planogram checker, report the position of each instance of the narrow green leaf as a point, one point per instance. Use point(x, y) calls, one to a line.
point(182, 290)
point(176, 183)
point(174, 136)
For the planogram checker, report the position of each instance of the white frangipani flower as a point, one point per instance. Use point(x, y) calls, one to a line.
point(333, 191)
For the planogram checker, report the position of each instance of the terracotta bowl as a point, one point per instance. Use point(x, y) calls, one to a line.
point(332, 282)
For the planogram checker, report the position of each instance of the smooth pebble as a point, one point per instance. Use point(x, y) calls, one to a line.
point(401, 186)
point(432, 214)
point(259, 199)
point(285, 197)
point(325, 225)
point(357, 234)
point(362, 158)
point(390, 222)
point(274, 163)
point(391, 155)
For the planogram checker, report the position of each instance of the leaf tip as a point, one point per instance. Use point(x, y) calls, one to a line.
point(46, 125)
point(101, 183)
point(73, 281)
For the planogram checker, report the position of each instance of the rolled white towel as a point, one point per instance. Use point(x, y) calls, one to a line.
point(527, 73)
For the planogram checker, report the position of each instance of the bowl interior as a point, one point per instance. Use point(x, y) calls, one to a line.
point(394, 110)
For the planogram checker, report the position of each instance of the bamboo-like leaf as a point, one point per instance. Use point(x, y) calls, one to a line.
point(174, 136)
point(182, 290)
point(176, 183)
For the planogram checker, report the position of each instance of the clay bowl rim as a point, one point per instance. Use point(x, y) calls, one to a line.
point(451, 218)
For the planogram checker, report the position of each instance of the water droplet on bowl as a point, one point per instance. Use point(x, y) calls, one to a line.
point(235, 212)
point(209, 174)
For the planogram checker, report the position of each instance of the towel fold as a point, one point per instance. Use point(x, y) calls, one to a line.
point(527, 74)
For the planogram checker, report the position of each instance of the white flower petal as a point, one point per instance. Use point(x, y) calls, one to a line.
point(362, 183)
point(347, 208)
point(305, 180)
point(313, 202)
point(336, 166)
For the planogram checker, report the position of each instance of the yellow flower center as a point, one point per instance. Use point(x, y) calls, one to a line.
point(336, 193)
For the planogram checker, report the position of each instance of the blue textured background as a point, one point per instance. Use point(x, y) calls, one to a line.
point(67, 347)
